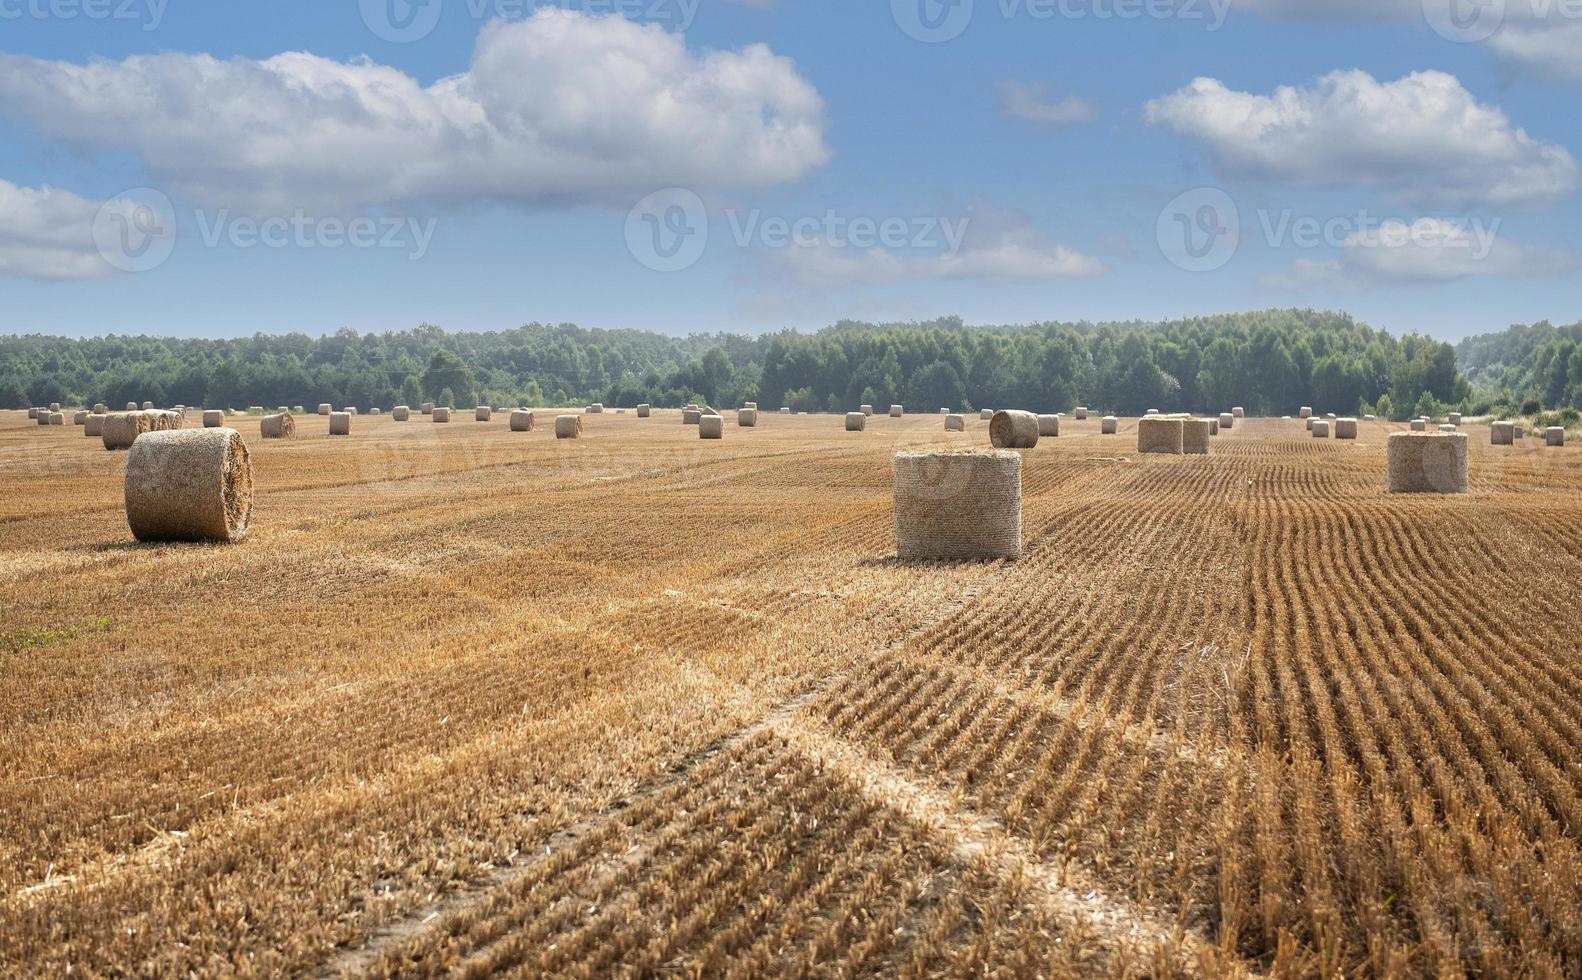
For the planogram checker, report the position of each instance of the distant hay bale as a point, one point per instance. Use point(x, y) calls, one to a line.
point(1555, 436)
point(1520, 433)
point(427, 408)
point(865, 409)
point(32, 414)
point(691, 407)
point(132, 407)
point(282, 425)
point(54, 406)
point(78, 418)
point(56, 418)
point(944, 411)
point(375, 411)
point(1306, 413)
point(251, 409)
point(1418, 425)
point(213, 419)
point(482, 413)
point(281, 410)
point(1321, 429)
point(1447, 427)
point(645, 411)
point(986, 415)
point(1454, 418)
point(401, 413)
point(1082, 413)
point(1109, 425)
point(955, 423)
point(711, 427)
point(521, 421)
point(325, 408)
point(298, 410)
point(1428, 462)
point(568, 426)
point(1157, 435)
point(440, 414)
point(148, 406)
point(93, 427)
point(99, 408)
point(896, 411)
point(121, 429)
point(856, 421)
point(1153, 411)
point(1502, 434)
point(751, 405)
point(1370, 418)
point(1345, 428)
point(350, 410)
point(1227, 420)
point(747, 418)
point(597, 408)
point(42, 416)
point(1239, 412)
point(1013, 430)
point(1213, 427)
point(785, 411)
point(690, 416)
point(1048, 425)
point(340, 423)
point(958, 505)
point(190, 485)
point(1311, 422)
point(164, 421)
point(1195, 435)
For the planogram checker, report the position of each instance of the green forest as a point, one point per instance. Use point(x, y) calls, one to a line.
point(1270, 362)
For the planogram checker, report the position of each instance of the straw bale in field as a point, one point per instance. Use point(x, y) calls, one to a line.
point(121, 429)
point(1345, 428)
point(189, 485)
point(93, 426)
point(856, 421)
point(1227, 420)
point(427, 408)
point(896, 411)
point(747, 418)
point(865, 409)
point(1454, 418)
point(401, 413)
point(1048, 425)
point(482, 413)
point(99, 408)
point(1156, 435)
point(1428, 462)
point(785, 411)
point(1321, 429)
point(1555, 436)
point(568, 426)
point(1109, 425)
point(1502, 434)
point(711, 427)
point(1239, 412)
point(1195, 434)
point(1013, 430)
point(986, 415)
point(958, 505)
point(279, 426)
point(645, 411)
point(1082, 413)
point(55, 418)
point(1418, 425)
point(955, 423)
point(690, 416)
point(1306, 412)
point(213, 419)
point(340, 423)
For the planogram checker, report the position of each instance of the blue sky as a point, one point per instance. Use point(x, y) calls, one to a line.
point(220, 168)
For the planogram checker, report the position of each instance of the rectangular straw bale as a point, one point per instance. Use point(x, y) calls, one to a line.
point(1555, 436)
point(93, 427)
point(1109, 425)
point(955, 423)
point(1166, 436)
point(954, 505)
point(1427, 462)
point(1502, 434)
point(1195, 435)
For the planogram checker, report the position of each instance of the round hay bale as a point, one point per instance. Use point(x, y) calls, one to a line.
point(1153, 411)
point(1227, 420)
point(1427, 462)
point(427, 408)
point(56, 418)
point(54, 406)
point(1310, 421)
point(690, 416)
point(375, 411)
point(1329, 416)
point(482, 413)
point(132, 407)
point(189, 485)
point(325, 408)
point(785, 411)
point(78, 418)
point(1013, 430)
point(1345, 428)
point(281, 410)
point(280, 426)
point(1213, 427)
point(42, 418)
point(350, 410)
point(213, 419)
point(1555, 436)
point(1239, 413)
point(596, 409)
point(644, 411)
point(1195, 435)
point(1502, 434)
point(986, 415)
point(121, 429)
point(1418, 425)
point(751, 405)
point(440, 414)
point(1370, 418)
point(711, 427)
point(401, 413)
point(99, 409)
point(944, 411)
point(747, 418)
point(1158, 435)
point(521, 421)
point(1109, 425)
point(856, 421)
point(1321, 429)
point(1306, 412)
point(93, 426)
point(958, 505)
point(340, 423)
point(33, 413)
point(1447, 427)
point(148, 406)
point(955, 423)
point(1048, 425)
point(298, 410)
point(568, 426)
point(1082, 413)
point(896, 411)
point(865, 409)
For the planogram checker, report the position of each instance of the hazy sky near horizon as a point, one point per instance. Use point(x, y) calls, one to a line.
point(218, 168)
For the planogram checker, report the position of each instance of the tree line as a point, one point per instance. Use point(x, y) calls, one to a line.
point(1270, 362)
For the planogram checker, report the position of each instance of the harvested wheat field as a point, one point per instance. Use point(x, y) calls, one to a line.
point(473, 701)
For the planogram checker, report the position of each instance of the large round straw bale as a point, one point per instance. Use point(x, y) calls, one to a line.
point(1555, 436)
point(1321, 429)
point(896, 411)
point(1195, 434)
point(189, 485)
point(1418, 425)
point(340, 423)
point(521, 421)
point(279, 426)
point(856, 421)
point(1370, 418)
point(865, 409)
point(162, 421)
point(747, 418)
point(56, 418)
point(568, 426)
point(958, 505)
point(79, 418)
point(1345, 428)
point(955, 423)
point(401, 413)
point(121, 429)
point(1009, 429)
point(1502, 434)
point(99, 408)
point(1227, 420)
point(645, 411)
point(94, 426)
point(325, 408)
point(1428, 462)
point(440, 414)
point(1157, 435)
point(482, 413)
point(350, 410)
point(690, 416)
point(1306, 413)
point(1109, 425)
point(1082, 413)
point(1239, 412)
point(1048, 425)
point(711, 427)
point(213, 418)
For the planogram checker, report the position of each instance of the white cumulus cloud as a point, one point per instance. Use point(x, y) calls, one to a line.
point(1425, 251)
point(559, 108)
point(47, 233)
point(1424, 139)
